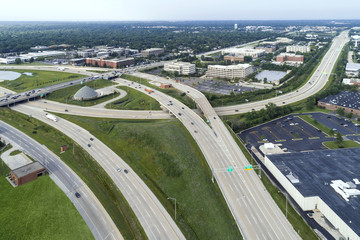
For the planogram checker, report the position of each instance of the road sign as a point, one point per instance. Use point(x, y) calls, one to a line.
point(41, 95)
point(249, 167)
point(230, 169)
point(81, 82)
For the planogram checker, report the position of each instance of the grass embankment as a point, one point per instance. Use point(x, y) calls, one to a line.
point(294, 218)
point(166, 157)
point(38, 79)
point(28, 212)
point(315, 123)
point(16, 152)
point(85, 167)
point(66, 95)
point(343, 144)
point(173, 92)
point(134, 100)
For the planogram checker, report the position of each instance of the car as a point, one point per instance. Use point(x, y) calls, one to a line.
point(91, 139)
point(89, 145)
point(192, 123)
point(328, 116)
point(345, 125)
point(292, 124)
point(66, 110)
point(179, 114)
point(71, 83)
point(195, 131)
point(182, 108)
point(187, 91)
point(118, 169)
point(283, 125)
point(125, 171)
point(341, 124)
point(319, 130)
point(252, 109)
point(283, 102)
point(77, 195)
point(214, 117)
point(236, 110)
point(334, 129)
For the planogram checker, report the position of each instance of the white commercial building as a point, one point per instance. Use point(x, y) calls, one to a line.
point(229, 72)
point(302, 49)
point(352, 69)
point(183, 68)
point(235, 26)
point(254, 53)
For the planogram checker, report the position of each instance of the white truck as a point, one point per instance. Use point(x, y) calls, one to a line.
point(51, 117)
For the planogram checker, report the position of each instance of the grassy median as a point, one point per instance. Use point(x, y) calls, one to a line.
point(166, 157)
point(28, 212)
point(85, 167)
point(38, 79)
point(343, 144)
point(134, 100)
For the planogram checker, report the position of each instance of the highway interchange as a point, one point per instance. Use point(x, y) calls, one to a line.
point(255, 212)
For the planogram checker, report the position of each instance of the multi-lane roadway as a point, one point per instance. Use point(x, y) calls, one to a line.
point(94, 214)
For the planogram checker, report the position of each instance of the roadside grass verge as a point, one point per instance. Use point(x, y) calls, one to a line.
point(134, 100)
point(344, 144)
point(173, 92)
point(84, 166)
point(167, 158)
point(15, 152)
point(315, 123)
point(38, 79)
point(38, 210)
point(65, 95)
point(296, 220)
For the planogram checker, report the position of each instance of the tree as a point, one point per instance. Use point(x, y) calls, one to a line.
point(340, 111)
point(349, 115)
point(31, 60)
point(339, 140)
point(248, 59)
point(17, 61)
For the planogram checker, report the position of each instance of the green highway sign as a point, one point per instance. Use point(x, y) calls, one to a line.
point(249, 167)
point(230, 169)
point(41, 95)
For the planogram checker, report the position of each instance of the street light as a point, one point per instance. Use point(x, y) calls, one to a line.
point(175, 204)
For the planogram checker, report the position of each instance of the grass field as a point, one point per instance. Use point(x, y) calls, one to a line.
point(38, 80)
point(38, 210)
point(166, 157)
point(294, 218)
point(65, 95)
point(85, 167)
point(134, 100)
point(345, 144)
point(173, 92)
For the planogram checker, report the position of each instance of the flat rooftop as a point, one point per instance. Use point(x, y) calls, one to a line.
point(27, 169)
point(316, 169)
point(344, 99)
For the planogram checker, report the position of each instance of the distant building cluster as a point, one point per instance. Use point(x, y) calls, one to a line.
point(229, 72)
point(34, 55)
point(302, 49)
point(152, 52)
point(182, 68)
point(279, 40)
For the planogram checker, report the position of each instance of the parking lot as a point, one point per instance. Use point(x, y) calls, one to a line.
point(290, 131)
point(341, 125)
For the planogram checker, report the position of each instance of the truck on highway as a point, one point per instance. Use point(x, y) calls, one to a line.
point(51, 117)
point(148, 90)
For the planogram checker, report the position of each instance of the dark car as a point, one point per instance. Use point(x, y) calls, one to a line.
point(77, 195)
point(89, 145)
point(126, 171)
point(91, 139)
point(66, 110)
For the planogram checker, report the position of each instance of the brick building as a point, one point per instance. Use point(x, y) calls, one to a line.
point(288, 57)
point(114, 63)
point(234, 58)
point(27, 173)
point(349, 101)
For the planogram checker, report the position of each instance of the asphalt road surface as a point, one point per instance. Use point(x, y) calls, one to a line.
point(153, 217)
point(95, 216)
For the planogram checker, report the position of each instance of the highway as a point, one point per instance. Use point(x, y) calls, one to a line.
point(89, 207)
point(153, 217)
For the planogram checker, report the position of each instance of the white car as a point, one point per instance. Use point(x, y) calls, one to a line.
point(119, 169)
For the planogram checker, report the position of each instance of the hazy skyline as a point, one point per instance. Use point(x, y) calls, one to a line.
point(120, 10)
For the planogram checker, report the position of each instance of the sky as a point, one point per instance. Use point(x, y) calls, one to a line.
point(149, 10)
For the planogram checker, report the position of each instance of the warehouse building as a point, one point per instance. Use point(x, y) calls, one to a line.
point(349, 101)
point(254, 53)
point(325, 181)
point(183, 68)
point(302, 49)
point(27, 173)
point(152, 52)
point(229, 72)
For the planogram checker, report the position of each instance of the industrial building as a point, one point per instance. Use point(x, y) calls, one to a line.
point(290, 58)
point(229, 72)
point(232, 58)
point(279, 40)
point(327, 181)
point(254, 53)
point(183, 68)
point(114, 63)
point(34, 55)
point(268, 48)
point(27, 173)
point(85, 93)
point(349, 101)
point(351, 81)
point(152, 52)
point(302, 49)
point(352, 69)
point(86, 53)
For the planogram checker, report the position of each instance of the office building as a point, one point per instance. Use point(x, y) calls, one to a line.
point(229, 72)
point(290, 57)
point(183, 68)
point(113, 63)
point(268, 48)
point(302, 49)
point(86, 53)
point(233, 59)
point(254, 53)
point(352, 69)
point(152, 52)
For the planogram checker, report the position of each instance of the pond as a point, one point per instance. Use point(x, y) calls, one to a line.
point(9, 75)
point(270, 76)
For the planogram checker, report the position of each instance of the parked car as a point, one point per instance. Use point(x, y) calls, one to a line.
point(77, 195)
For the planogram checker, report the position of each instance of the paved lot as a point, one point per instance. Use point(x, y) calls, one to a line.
point(15, 161)
point(292, 132)
point(340, 124)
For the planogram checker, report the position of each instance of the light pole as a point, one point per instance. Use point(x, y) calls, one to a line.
point(175, 204)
